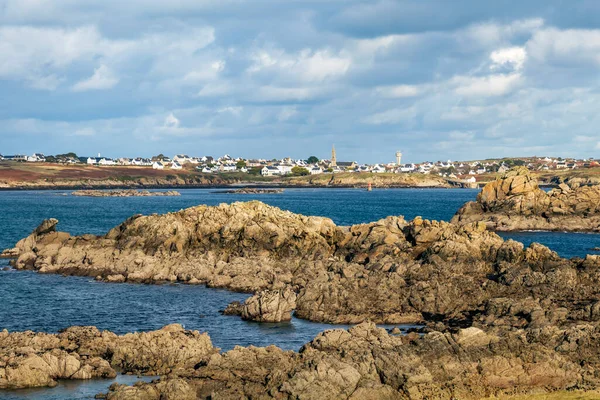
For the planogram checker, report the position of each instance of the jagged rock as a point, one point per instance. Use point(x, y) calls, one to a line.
point(30, 359)
point(389, 271)
point(270, 306)
point(367, 362)
point(515, 202)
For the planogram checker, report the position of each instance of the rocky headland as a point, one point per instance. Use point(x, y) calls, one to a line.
point(389, 271)
point(501, 318)
point(123, 193)
point(514, 202)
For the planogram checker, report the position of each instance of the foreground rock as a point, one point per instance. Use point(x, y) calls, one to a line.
point(29, 359)
point(515, 202)
point(366, 362)
point(123, 193)
point(390, 271)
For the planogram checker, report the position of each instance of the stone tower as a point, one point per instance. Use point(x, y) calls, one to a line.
point(333, 158)
point(398, 158)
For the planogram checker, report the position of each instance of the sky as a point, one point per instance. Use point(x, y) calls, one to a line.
point(435, 79)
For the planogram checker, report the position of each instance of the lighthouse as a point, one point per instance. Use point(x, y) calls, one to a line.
point(398, 158)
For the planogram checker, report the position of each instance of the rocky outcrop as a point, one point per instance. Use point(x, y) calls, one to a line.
point(29, 359)
point(123, 193)
point(390, 271)
point(515, 202)
point(250, 190)
point(362, 179)
point(270, 306)
point(366, 362)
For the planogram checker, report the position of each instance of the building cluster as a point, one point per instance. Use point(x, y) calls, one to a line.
point(313, 166)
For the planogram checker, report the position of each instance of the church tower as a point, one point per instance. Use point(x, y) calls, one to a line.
point(398, 157)
point(333, 158)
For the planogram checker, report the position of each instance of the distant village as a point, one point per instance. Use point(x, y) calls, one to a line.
point(313, 166)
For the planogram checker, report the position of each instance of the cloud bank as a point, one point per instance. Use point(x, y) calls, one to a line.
point(438, 80)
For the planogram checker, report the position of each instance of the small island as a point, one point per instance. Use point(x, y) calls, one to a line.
point(252, 191)
point(123, 193)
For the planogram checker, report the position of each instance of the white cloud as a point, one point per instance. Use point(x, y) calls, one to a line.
point(171, 121)
point(308, 65)
point(400, 91)
point(85, 132)
point(565, 46)
point(287, 113)
point(461, 136)
point(392, 116)
point(513, 57)
point(231, 110)
point(103, 78)
point(492, 85)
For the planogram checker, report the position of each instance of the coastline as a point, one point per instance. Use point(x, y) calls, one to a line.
point(211, 186)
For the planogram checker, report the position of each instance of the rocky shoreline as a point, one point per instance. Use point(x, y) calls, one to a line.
point(123, 193)
point(502, 319)
point(251, 190)
point(514, 202)
point(364, 362)
point(389, 271)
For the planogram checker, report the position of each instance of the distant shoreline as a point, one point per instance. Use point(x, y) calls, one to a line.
point(222, 186)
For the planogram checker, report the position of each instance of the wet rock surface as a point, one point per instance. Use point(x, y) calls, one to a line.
point(514, 202)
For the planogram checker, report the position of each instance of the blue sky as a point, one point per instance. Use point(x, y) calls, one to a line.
point(436, 79)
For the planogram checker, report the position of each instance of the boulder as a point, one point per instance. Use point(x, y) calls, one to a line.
point(270, 306)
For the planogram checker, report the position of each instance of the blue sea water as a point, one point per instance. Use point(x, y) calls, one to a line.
point(51, 302)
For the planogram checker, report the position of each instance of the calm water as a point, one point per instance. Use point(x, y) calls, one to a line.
point(50, 302)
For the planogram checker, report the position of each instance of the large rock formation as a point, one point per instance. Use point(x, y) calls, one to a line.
point(29, 359)
point(366, 362)
point(390, 271)
point(270, 306)
point(515, 202)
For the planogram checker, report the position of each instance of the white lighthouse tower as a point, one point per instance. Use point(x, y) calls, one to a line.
point(398, 157)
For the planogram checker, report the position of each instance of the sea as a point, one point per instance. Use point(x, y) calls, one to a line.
point(49, 303)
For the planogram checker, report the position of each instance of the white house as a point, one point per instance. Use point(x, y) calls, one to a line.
point(206, 170)
point(228, 168)
point(36, 157)
point(378, 169)
point(158, 165)
point(92, 160)
point(270, 170)
point(175, 165)
point(315, 170)
point(284, 169)
point(182, 159)
point(107, 161)
point(407, 168)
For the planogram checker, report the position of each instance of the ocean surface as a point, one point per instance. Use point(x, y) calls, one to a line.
point(31, 301)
